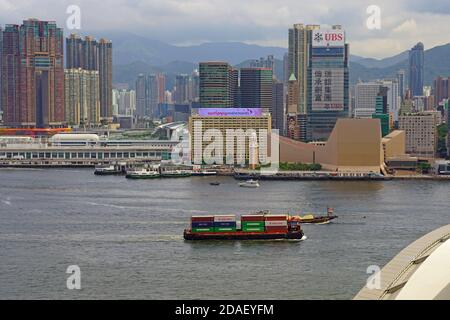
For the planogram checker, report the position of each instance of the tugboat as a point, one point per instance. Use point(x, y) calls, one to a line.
point(106, 170)
point(252, 227)
point(249, 184)
point(142, 174)
point(215, 183)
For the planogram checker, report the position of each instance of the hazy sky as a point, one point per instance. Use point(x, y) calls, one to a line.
point(265, 22)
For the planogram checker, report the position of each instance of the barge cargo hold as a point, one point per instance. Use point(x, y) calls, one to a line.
point(242, 235)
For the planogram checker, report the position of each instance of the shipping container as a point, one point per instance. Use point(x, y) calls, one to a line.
point(224, 218)
point(225, 224)
point(257, 224)
point(225, 229)
point(255, 217)
point(253, 229)
point(279, 223)
point(278, 217)
point(198, 230)
point(202, 218)
point(276, 229)
point(206, 224)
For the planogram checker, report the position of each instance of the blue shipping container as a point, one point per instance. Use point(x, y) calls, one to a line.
point(206, 224)
point(225, 224)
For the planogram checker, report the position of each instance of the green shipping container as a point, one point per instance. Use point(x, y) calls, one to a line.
point(225, 229)
point(197, 230)
point(253, 224)
point(253, 229)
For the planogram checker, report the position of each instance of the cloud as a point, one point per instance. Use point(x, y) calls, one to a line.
point(265, 22)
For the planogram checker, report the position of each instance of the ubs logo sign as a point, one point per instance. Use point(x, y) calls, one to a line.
point(330, 38)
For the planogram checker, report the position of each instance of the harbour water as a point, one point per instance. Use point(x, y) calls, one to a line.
point(126, 235)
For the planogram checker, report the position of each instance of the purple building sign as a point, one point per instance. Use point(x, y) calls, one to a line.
point(230, 112)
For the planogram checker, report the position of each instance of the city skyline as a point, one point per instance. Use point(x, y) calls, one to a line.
point(403, 23)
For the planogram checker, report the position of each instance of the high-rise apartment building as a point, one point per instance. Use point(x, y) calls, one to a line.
point(441, 89)
point(90, 54)
point(147, 94)
point(365, 99)
point(33, 74)
point(182, 89)
point(218, 85)
point(416, 66)
point(256, 88)
point(82, 97)
point(300, 39)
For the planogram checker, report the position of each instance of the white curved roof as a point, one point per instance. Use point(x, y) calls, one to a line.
point(75, 137)
point(421, 271)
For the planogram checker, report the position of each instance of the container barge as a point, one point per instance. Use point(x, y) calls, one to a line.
point(249, 227)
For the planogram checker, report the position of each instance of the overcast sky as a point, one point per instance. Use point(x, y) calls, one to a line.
point(265, 22)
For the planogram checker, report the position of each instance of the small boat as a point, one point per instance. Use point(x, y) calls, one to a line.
point(204, 173)
point(142, 174)
point(176, 173)
point(106, 170)
point(250, 184)
point(215, 183)
point(311, 219)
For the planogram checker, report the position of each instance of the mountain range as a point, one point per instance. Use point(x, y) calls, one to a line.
point(133, 54)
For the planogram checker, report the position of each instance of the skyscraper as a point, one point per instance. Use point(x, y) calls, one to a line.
point(401, 83)
point(33, 74)
point(82, 97)
point(256, 88)
point(1, 69)
point(328, 82)
point(89, 54)
point(218, 85)
point(278, 111)
point(416, 65)
point(105, 76)
point(182, 89)
point(147, 95)
point(300, 38)
point(141, 96)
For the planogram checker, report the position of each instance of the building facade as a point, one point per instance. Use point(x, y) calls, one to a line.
point(256, 88)
point(33, 74)
point(218, 85)
point(416, 66)
point(421, 133)
point(82, 97)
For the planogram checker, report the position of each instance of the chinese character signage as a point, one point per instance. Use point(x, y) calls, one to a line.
point(327, 89)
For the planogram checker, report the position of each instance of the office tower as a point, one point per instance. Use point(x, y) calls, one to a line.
point(421, 133)
point(393, 98)
point(401, 83)
point(278, 110)
point(182, 88)
point(441, 89)
point(268, 62)
point(90, 54)
point(256, 88)
point(300, 39)
point(33, 75)
point(152, 95)
point(218, 85)
point(328, 78)
point(82, 97)
point(147, 95)
point(416, 66)
point(365, 99)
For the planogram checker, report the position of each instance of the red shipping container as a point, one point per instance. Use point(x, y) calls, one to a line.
point(252, 218)
point(277, 229)
point(202, 219)
point(276, 217)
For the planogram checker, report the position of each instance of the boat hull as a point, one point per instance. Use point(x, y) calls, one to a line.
point(240, 235)
point(181, 175)
point(137, 177)
point(318, 220)
point(107, 173)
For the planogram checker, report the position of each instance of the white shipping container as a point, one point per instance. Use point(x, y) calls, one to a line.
point(225, 218)
point(280, 223)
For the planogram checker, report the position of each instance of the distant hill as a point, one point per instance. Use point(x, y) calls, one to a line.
point(135, 54)
point(437, 63)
